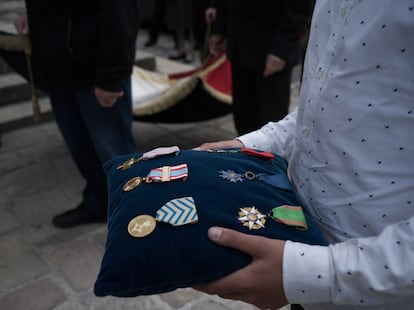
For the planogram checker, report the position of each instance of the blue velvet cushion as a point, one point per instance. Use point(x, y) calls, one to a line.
point(174, 257)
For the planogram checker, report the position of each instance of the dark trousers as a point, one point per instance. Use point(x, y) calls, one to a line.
point(157, 19)
point(257, 99)
point(93, 135)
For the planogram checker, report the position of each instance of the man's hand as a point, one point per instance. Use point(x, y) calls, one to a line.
point(273, 64)
point(106, 98)
point(260, 283)
point(227, 144)
point(21, 24)
point(210, 15)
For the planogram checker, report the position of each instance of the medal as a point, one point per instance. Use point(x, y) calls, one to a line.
point(161, 174)
point(149, 155)
point(234, 177)
point(293, 216)
point(141, 226)
point(227, 151)
point(127, 164)
point(176, 212)
point(252, 218)
point(131, 184)
point(276, 180)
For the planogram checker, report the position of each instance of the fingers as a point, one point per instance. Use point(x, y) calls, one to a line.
point(273, 64)
point(227, 144)
point(210, 15)
point(259, 283)
point(106, 98)
point(249, 244)
point(21, 24)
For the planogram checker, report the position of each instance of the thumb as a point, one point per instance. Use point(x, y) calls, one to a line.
point(246, 243)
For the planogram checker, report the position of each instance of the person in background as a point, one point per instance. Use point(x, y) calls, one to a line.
point(263, 44)
point(87, 52)
point(349, 148)
point(201, 27)
point(157, 20)
point(179, 18)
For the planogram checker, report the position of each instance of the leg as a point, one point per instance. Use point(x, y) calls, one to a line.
point(244, 101)
point(273, 97)
point(93, 135)
point(156, 22)
point(110, 129)
point(77, 139)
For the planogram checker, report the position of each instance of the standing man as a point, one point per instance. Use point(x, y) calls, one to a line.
point(262, 40)
point(86, 50)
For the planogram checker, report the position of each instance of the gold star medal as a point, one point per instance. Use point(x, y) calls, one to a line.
point(252, 218)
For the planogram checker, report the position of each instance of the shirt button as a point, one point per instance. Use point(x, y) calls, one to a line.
point(344, 12)
point(305, 132)
point(319, 74)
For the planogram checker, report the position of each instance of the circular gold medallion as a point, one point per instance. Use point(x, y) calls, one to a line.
point(141, 226)
point(131, 184)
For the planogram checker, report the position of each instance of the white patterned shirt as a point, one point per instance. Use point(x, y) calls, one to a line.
point(350, 148)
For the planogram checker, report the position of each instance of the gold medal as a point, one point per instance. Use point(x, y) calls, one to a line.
point(127, 164)
point(141, 226)
point(252, 218)
point(131, 184)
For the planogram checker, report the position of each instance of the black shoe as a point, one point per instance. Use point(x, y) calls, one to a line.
point(177, 56)
point(76, 217)
point(188, 59)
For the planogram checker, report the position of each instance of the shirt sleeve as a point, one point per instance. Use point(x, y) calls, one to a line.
point(275, 137)
point(365, 271)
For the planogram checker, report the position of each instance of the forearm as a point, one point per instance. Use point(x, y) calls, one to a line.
point(365, 271)
point(274, 137)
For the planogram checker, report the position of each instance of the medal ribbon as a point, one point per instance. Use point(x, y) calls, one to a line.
point(149, 155)
point(161, 151)
point(290, 215)
point(178, 212)
point(276, 180)
point(168, 173)
point(255, 153)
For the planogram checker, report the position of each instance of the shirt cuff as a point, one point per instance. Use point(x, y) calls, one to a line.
point(307, 276)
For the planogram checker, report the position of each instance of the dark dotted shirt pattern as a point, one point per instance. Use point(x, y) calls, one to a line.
point(350, 147)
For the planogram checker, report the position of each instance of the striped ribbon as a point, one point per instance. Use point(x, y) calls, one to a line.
point(290, 215)
point(168, 173)
point(178, 212)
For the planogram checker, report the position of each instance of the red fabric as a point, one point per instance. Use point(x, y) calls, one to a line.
point(218, 79)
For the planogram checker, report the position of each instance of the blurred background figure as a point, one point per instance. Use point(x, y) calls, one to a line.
point(201, 27)
point(157, 22)
point(263, 43)
point(87, 51)
point(179, 18)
